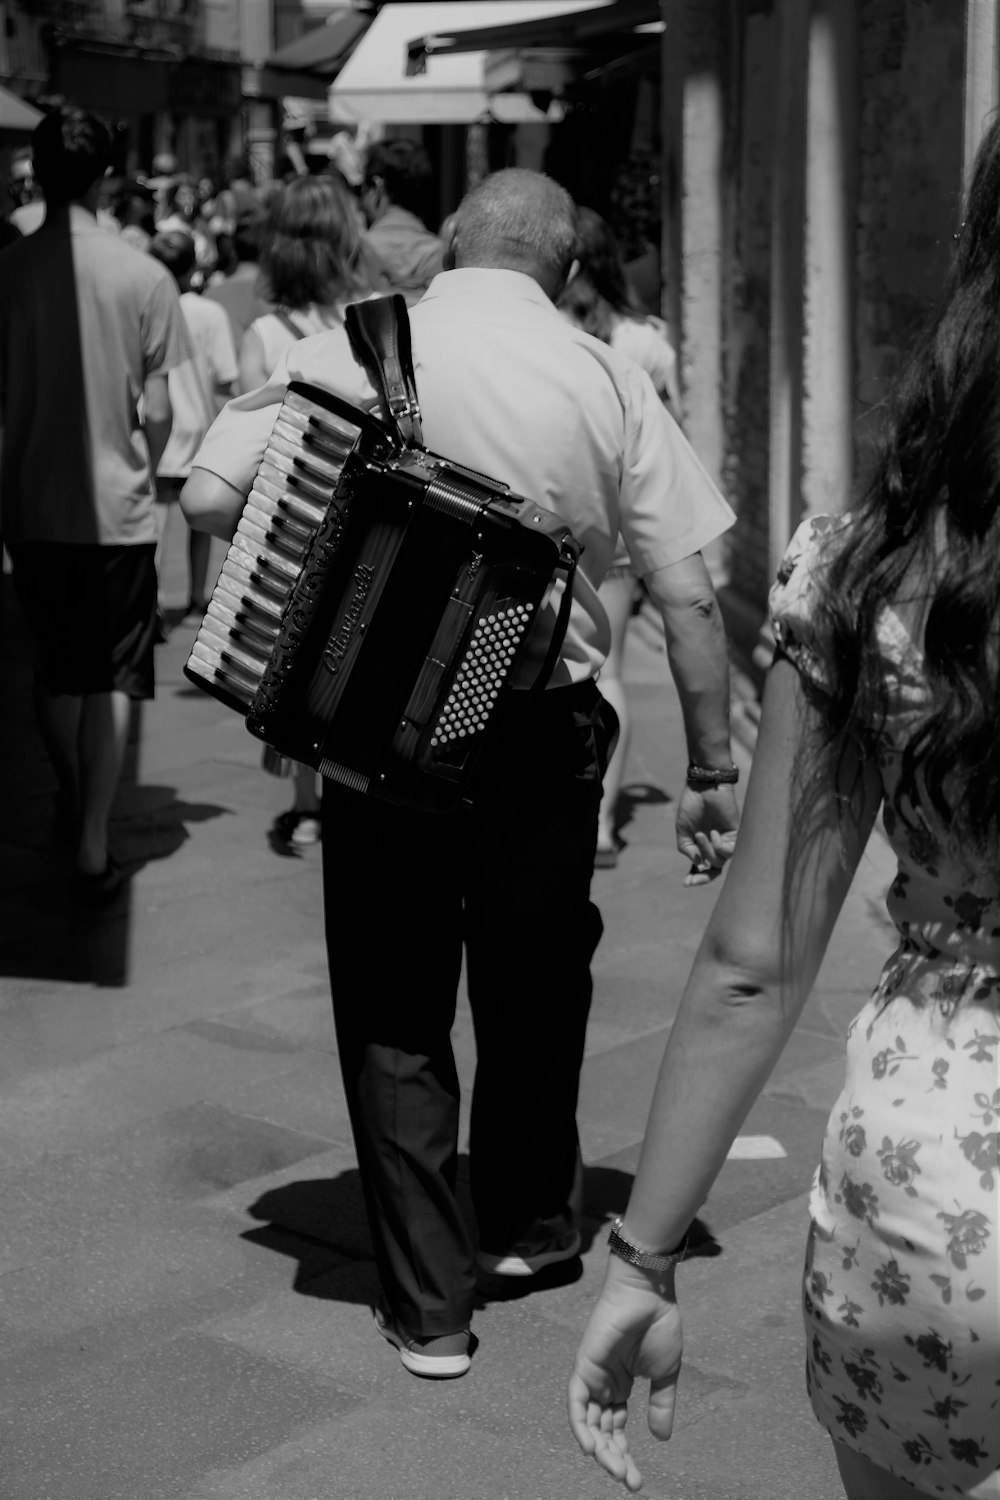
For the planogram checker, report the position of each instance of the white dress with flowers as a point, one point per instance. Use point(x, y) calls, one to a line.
point(902, 1280)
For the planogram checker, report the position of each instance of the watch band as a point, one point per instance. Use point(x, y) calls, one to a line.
point(700, 777)
point(647, 1260)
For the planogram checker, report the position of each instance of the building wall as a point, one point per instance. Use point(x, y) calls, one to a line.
point(906, 143)
point(746, 309)
point(909, 182)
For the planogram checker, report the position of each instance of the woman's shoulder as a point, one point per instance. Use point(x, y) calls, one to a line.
point(794, 602)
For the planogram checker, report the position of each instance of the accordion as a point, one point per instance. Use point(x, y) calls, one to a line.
point(375, 602)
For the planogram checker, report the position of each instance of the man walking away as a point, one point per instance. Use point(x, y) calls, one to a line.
point(88, 327)
point(241, 293)
point(507, 387)
point(394, 199)
point(198, 390)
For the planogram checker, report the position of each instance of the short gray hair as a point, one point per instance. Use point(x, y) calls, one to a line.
point(517, 217)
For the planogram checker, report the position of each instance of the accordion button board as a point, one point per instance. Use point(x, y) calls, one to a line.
point(375, 604)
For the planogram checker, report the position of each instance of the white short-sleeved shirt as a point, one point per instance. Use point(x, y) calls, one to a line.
point(193, 384)
point(84, 320)
point(640, 341)
point(508, 387)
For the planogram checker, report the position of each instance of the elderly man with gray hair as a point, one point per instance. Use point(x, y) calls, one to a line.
point(507, 387)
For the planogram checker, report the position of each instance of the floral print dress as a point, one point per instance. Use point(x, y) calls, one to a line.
point(902, 1279)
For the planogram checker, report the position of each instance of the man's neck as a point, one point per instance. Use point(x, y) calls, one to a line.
point(246, 270)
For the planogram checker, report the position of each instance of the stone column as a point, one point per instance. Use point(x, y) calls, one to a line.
point(788, 201)
point(981, 51)
point(694, 59)
point(830, 208)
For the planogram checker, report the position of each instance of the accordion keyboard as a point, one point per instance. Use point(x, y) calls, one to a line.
point(302, 463)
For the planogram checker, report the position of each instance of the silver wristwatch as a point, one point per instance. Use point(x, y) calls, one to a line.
point(647, 1260)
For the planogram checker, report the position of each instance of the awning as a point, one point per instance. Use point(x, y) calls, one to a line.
point(374, 84)
point(326, 48)
point(606, 27)
point(547, 55)
point(16, 115)
point(304, 68)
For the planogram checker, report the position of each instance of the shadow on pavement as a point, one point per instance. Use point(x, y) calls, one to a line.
point(46, 930)
point(320, 1222)
point(633, 795)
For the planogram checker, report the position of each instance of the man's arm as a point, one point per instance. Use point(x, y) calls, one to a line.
point(210, 503)
point(699, 662)
point(158, 417)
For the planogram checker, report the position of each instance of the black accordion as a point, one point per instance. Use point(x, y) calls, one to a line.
point(375, 602)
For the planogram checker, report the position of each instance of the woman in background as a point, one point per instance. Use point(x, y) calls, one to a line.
point(885, 689)
point(599, 301)
point(310, 271)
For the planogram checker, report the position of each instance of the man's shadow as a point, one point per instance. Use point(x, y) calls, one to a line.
point(321, 1224)
point(632, 797)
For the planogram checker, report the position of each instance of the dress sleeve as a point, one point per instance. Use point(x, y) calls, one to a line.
point(795, 597)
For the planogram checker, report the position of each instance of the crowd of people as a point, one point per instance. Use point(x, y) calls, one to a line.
point(532, 363)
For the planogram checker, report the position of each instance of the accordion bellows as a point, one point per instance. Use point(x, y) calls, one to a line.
point(374, 603)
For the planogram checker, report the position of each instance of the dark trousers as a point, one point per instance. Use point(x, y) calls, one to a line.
point(404, 891)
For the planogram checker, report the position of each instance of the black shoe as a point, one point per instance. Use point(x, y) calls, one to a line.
point(103, 886)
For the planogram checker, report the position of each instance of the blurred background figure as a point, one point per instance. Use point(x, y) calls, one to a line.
point(184, 214)
point(198, 389)
point(134, 208)
point(240, 292)
point(599, 301)
point(394, 197)
point(25, 193)
point(310, 259)
point(162, 179)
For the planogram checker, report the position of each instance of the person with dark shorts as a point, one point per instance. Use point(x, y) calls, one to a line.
point(89, 328)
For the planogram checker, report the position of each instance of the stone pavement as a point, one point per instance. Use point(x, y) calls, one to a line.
point(184, 1265)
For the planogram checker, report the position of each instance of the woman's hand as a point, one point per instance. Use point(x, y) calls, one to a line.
point(707, 822)
point(635, 1330)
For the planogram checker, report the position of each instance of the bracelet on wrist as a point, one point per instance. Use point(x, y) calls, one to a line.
point(647, 1260)
point(702, 778)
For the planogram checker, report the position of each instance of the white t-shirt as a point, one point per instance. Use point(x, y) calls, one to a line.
point(84, 321)
point(509, 388)
point(192, 385)
point(643, 342)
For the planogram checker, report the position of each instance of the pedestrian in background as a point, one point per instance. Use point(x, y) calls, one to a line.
point(310, 271)
point(598, 301)
point(25, 192)
point(394, 198)
point(134, 209)
point(183, 213)
point(198, 389)
point(241, 293)
point(883, 692)
point(89, 329)
point(507, 387)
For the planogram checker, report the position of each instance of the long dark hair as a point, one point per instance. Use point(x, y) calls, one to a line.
point(311, 245)
point(599, 294)
point(932, 512)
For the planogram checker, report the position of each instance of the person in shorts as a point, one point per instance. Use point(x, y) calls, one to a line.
point(198, 390)
point(89, 328)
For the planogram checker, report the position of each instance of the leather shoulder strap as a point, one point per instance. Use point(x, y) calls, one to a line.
point(379, 331)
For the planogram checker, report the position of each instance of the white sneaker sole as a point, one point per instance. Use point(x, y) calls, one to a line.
point(526, 1265)
point(430, 1366)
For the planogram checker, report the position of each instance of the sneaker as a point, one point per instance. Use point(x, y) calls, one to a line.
point(441, 1358)
point(529, 1258)
point(307, 830)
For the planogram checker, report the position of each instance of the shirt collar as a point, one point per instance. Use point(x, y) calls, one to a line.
point(79, 220)
point(485, 282)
